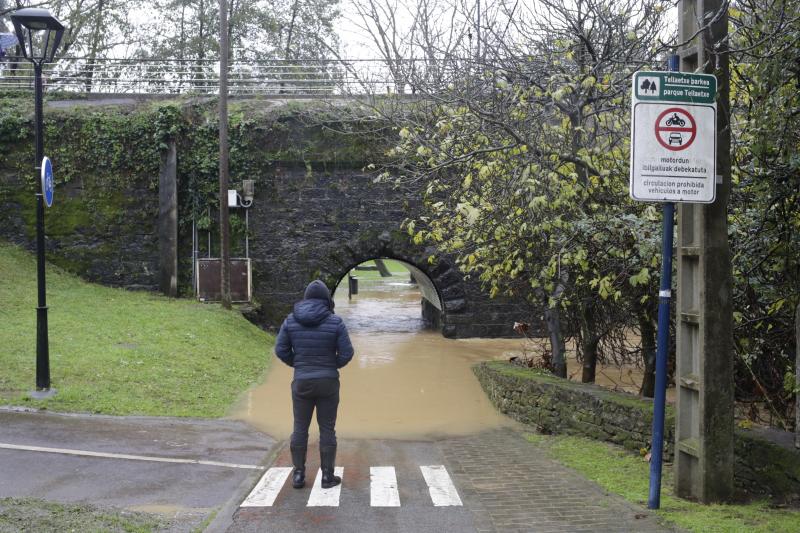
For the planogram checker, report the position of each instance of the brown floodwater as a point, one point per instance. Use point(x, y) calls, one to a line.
point(404, 382)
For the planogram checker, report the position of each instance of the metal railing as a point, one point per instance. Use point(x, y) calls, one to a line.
point(313, 78)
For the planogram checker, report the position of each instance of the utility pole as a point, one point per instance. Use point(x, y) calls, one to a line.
point(3, 22)
point(797, 378)
point(478, 32)
point(705, 351)
point(224, 221)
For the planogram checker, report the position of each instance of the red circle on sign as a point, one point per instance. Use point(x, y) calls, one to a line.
point(675, 131)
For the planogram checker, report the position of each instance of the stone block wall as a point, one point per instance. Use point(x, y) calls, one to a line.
point(106, 235)
point(766, 462)
point(554, 405)
point(320, 222)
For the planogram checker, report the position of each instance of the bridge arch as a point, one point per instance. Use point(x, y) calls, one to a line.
point(441, 284)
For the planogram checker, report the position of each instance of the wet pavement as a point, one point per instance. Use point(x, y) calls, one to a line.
point(503, 482)
point(139, 463)
point(353, 510)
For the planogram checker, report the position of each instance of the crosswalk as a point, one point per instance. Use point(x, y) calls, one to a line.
point(384, 491)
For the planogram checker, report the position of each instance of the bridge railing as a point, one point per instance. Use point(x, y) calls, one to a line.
point(313, 78)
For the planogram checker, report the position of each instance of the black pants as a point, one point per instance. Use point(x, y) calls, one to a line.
point(308, 394)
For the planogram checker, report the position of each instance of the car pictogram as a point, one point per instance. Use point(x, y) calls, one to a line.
point(676, 138)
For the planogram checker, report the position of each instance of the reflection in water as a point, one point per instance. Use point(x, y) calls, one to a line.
point(404, 381)
point(381, 307)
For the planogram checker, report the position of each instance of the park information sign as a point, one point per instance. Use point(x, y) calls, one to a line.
point(673, 137)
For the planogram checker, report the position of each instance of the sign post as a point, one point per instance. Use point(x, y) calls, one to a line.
point(44, 197)
point(673, 159)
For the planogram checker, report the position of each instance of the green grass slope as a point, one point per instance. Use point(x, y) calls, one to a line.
point(620, 472)
point(119, 352)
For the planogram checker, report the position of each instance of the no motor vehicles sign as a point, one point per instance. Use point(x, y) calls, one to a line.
point(673, 137)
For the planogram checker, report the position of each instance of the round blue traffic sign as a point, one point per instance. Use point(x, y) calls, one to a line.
point(48, 184)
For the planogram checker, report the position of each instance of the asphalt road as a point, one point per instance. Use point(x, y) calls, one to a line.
point(38, 458)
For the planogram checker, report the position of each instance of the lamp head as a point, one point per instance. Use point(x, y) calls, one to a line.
point(39, 33)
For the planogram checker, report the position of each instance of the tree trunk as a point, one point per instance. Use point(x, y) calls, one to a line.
point(552, 319)
point(648, 332)
point(182, 67)
point(797, 379)
point(288, 50)
point(3, 11)
point(225, 282)
point(384, 272)
point(589, 344)
point(589, 360)
point(231, 12)
point(95, 45)
point(201, 51)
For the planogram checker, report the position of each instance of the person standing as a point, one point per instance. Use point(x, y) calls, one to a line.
point(314, 341)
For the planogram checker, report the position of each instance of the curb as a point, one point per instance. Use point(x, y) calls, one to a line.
point(224, 517)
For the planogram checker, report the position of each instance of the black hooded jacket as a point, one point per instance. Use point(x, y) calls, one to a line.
point(312, 339)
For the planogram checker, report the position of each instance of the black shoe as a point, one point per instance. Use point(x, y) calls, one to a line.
point(299, 460)
point(327, 459)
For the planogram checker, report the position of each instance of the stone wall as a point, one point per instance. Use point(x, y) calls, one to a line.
point(554, 405)
point(316, 213)
point(103, 222)
point(323, 222)
point(766, 463)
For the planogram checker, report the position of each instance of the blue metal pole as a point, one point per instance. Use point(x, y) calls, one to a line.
point(662, 343)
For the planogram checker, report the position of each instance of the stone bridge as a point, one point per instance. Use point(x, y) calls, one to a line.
point(326, 223)
point(316, 213)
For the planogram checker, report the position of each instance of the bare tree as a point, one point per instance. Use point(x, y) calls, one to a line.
point(528, 128)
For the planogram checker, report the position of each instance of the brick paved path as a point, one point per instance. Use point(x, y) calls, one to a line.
point(513, 486)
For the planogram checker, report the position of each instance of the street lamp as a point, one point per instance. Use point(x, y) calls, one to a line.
point(39, 34)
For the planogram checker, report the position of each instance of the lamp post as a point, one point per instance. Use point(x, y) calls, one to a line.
point(39, 34)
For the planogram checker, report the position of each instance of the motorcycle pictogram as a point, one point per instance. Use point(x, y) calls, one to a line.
point(675, 120)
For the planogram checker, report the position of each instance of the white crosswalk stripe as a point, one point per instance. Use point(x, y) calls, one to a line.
point(267, 488)
point(443, 492)
point(383, 488)
point(325, 497)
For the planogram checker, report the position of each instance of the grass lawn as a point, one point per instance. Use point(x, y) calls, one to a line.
point(620, 472)
point(120, 352)
point(28, 514)
point(395, 267)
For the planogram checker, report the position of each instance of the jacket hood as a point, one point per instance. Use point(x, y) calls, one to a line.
point(317, 290)
point(311, 312)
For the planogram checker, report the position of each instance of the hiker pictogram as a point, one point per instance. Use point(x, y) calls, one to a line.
point(675, 129)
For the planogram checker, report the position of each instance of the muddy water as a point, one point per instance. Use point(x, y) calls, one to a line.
point(404, 382)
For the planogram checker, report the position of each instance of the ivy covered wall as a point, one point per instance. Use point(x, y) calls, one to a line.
point(106, 161)
point(102, 223)
point(317, 212)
